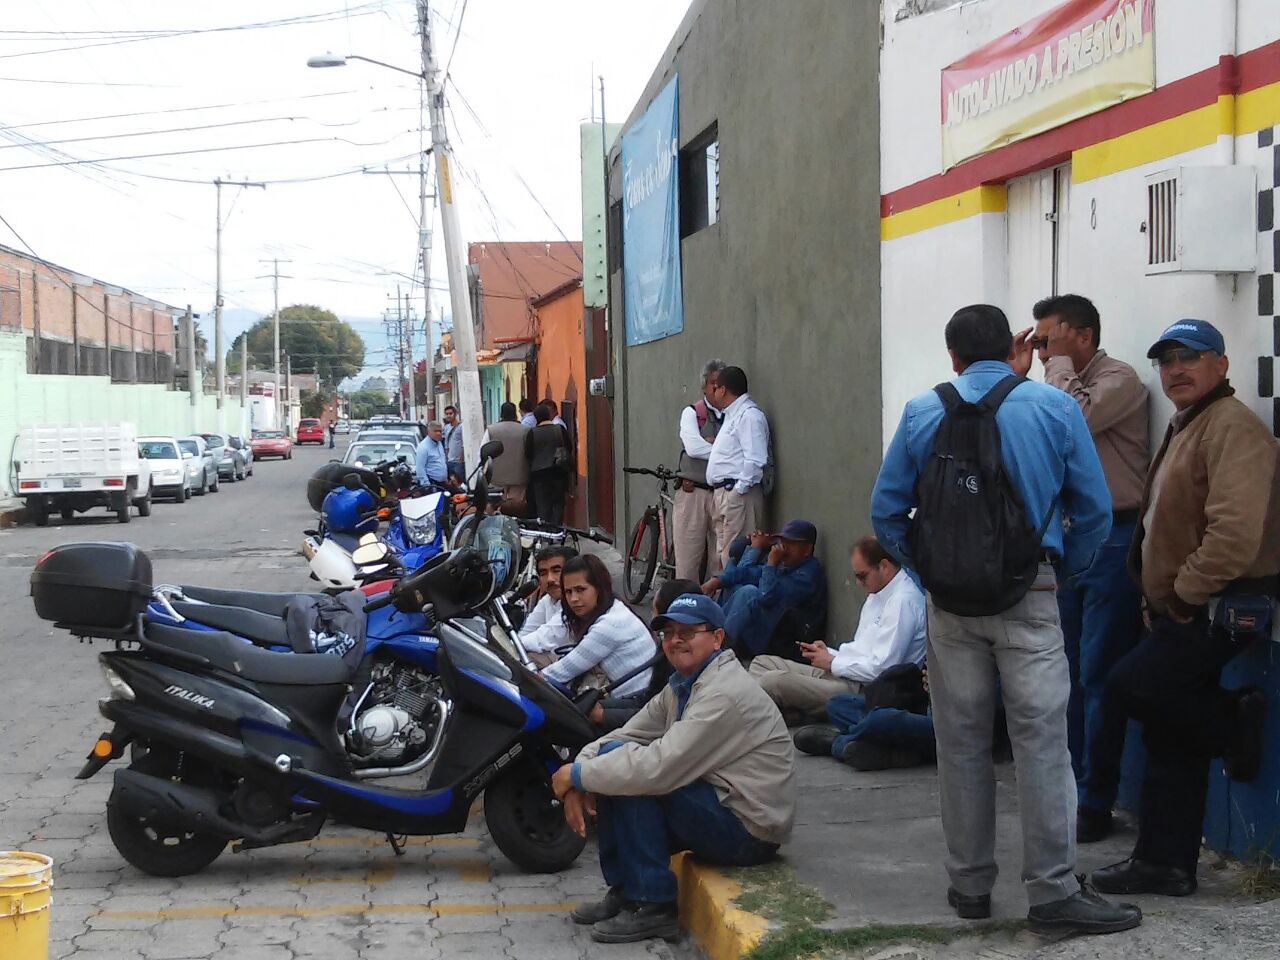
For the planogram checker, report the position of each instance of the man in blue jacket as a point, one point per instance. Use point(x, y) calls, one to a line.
point(776, 576)
point(1050, 460)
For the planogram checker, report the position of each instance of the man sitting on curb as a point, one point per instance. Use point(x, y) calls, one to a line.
point(777, 576)
point(706, 766)
point(890, 631)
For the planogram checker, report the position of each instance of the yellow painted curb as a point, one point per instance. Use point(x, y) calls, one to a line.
point(721, 930)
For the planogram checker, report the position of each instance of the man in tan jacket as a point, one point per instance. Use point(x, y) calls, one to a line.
point(1206, 555)
point(705, 766)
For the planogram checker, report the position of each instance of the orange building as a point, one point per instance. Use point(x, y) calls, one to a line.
point(508, 277)
point(562, 377)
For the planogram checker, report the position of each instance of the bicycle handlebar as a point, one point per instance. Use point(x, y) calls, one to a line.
point(662, 473)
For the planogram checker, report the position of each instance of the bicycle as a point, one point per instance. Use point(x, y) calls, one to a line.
point(652, 549)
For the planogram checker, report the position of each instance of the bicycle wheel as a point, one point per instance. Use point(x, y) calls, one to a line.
point(641, 560)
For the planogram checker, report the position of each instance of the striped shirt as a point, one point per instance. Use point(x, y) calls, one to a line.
point(618, 642)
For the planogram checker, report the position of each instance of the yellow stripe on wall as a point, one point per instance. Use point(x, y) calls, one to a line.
point(1258, 109)
point(1167, 138)
point(984, 199)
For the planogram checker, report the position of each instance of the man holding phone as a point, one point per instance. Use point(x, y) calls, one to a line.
point(890, 631)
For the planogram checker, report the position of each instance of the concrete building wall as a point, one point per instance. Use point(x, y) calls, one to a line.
point(785, 284)
point(976, 234)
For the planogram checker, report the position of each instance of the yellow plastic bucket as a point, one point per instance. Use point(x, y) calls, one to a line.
point(26, 884)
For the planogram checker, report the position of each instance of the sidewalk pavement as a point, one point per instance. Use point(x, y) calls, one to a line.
point(867, 855)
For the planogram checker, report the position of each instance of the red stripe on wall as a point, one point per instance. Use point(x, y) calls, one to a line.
point(1254, 69)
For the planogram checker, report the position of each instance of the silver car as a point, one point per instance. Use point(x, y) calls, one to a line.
point(202, 468)
point(244, 450)
point(231, 463)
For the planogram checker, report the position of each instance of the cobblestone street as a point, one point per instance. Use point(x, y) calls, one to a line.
point(344, 894)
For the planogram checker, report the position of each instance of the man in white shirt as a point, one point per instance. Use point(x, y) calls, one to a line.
point(737, 461)
point(526, 413)
point(693, 519)
point(544, 629)
point(891, 630)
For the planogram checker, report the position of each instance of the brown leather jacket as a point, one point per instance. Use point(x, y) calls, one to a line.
point(1216, 512)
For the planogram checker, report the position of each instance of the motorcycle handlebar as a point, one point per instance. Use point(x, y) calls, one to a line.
point(381, 602)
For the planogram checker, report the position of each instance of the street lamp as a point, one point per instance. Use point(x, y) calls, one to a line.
point(329, 59)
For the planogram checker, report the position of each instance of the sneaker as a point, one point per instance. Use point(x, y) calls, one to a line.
point(977, 907)
point(864, 755)
point(816, 739)
point(605, 909)
point(1083, 912)
point(1093, 825)
point(1139, 876)
point(1243, 758)
point(639, 921)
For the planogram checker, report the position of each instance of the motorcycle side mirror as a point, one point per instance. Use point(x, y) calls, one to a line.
point(370, 553)
point(491, 450)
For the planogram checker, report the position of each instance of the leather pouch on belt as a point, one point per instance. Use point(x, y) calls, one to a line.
point(1243, 615)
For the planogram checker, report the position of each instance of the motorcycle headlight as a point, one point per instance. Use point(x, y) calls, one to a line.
point(422, 530)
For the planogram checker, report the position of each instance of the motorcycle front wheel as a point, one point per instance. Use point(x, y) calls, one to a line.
point(527, 822)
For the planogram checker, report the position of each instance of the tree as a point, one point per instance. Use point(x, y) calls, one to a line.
point(312, 402)
point(315, 339)
point(365, 403)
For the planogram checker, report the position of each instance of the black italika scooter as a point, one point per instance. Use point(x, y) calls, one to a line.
point(231, 742)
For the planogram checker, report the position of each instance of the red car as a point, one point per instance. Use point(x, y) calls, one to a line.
point(310, 431)
point(271, 443)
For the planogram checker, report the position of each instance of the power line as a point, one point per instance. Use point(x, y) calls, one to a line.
point(456, 36)
point(91, 83)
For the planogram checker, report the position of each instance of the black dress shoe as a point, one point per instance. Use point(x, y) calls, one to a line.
point(1083, 912)
point(1093, 825)
point(639, 921)
point(1243, 758)
point(1139, 876)
point(606, 909)
point(977, 907)
point(816, 739)
point(864, 755)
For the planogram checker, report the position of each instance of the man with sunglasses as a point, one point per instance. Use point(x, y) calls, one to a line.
point(705, 766)
point(1100, 607)
point(1206, 554)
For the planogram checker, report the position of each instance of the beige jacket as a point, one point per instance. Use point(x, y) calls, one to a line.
point(1214, 516)
point(731, 735)
point(1114, 402)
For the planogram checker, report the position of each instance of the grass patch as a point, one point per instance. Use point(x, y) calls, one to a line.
point(1260, 879)
point(773, 892)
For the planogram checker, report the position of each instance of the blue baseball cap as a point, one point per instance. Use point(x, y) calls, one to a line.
point(801, 530)
point(691, 609)
point(1196, 334)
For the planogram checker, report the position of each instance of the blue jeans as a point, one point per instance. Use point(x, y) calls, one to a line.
point(1101, 611)
point(637, 836)
point(887, 726)
point(748, 622)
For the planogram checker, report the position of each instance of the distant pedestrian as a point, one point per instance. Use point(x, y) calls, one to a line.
point(333, 429)
point(526, 413)
point(453, 444)
point(992, 465)
point(547, 449)
point(693, 518)
point(511, 467)
point(1101, 608)
point(1207, 554)
point(737, 461)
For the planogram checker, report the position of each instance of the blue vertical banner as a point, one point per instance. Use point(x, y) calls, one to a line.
point(652, 295)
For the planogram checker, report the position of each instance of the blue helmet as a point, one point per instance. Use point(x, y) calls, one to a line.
point(350, 511)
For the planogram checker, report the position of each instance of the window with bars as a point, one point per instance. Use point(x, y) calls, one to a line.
point(1162, 222)
point(700, 182)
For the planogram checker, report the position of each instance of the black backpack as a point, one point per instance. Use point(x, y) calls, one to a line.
point(972, 545)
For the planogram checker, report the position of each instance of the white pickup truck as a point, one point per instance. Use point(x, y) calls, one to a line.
point(69, 469)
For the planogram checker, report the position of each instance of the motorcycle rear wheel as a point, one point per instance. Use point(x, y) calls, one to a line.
point(527, 822)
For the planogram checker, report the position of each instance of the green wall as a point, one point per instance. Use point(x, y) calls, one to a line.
point(28, 399)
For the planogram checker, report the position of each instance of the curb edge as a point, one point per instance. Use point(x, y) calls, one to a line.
point(721, 930)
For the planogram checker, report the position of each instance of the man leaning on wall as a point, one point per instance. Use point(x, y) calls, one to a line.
point(693, 517)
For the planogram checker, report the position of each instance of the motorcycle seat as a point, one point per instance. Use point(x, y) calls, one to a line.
point(227, 652)
point(272, 604)
point(346, 541)
point(263, 629)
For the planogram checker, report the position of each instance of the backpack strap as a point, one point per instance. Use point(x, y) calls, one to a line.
point(949, 396)
point(997, 394)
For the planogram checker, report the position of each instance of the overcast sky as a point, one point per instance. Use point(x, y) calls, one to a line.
point(525, 67)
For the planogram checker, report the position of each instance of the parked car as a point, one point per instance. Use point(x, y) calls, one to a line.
point(387, 434)
point(370, 453)
point(73, 468)
point(169, 474)
point(244, 450)
point(230, 463)
point(310, 431)
point(202, 468)
point(342, 426)
point(271, 443)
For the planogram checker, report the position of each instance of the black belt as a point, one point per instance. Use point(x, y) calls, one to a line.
point(1125, 516)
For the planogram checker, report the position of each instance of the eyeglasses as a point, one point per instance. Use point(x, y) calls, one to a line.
point(1183, 355)
point(664, 635)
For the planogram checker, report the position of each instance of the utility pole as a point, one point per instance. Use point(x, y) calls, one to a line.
point(464, 335)
point(244, 372)
point(195, 378)
point(275, 334)
point(287, 426)
point(424, 250)
point(220, 361)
